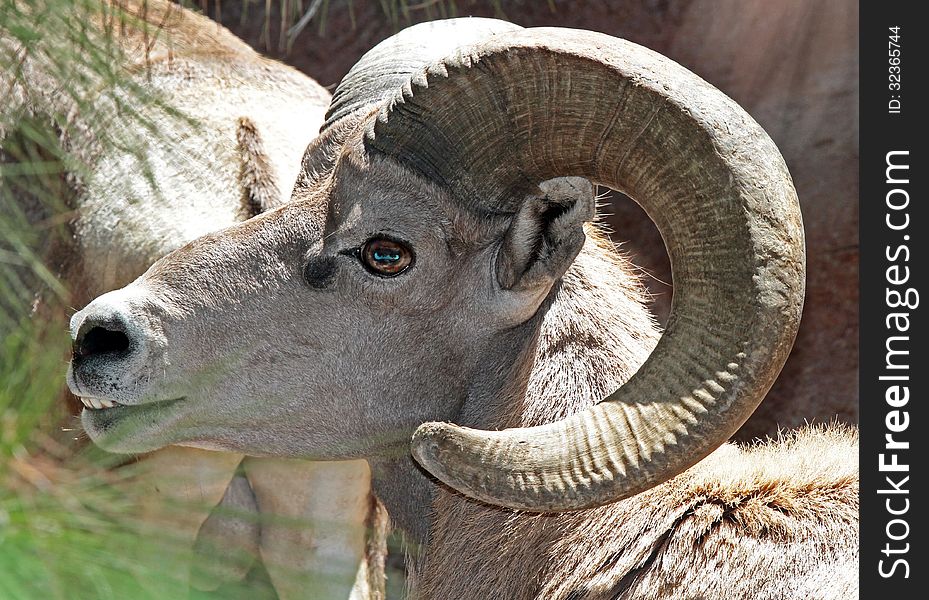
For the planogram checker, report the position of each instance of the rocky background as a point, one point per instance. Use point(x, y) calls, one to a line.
point(792, 64)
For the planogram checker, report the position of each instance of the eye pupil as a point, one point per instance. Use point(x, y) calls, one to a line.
point(386, 257)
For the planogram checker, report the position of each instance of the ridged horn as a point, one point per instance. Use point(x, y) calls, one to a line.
point(384, 68)
point(492, 121)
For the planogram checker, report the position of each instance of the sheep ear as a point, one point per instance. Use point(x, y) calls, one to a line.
point(546, 234)
point(260, 192)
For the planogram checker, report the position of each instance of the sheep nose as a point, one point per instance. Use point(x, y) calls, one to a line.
point(99, 335)
point(113, 347)
point(108, 332)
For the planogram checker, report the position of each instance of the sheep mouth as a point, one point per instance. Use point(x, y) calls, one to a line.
point(130, 428)
point(91, 403)
point(97, 404)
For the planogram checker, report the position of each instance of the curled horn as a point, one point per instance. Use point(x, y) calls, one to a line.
point(492, 121)
point(384, 68)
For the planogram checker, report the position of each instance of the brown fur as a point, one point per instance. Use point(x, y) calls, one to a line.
point(775, 521)
point(259, 186)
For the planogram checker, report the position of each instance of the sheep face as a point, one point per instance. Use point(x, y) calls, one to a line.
point(333, 326)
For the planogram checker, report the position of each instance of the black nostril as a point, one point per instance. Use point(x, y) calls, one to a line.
point(100, 338)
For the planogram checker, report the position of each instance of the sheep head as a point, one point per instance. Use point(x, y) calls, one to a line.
point(421, 240)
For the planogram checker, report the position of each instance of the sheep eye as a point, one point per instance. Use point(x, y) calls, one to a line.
point(386, 257)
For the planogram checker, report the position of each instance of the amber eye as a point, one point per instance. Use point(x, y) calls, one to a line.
point(386, 257)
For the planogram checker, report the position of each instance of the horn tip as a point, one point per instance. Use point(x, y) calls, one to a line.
point(426, 445)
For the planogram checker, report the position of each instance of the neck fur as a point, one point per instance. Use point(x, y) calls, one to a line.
point(589, 339)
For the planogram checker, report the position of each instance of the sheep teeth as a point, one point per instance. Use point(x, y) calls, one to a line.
point(97, 403)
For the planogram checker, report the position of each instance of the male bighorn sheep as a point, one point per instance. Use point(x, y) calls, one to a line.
point(426, 283)
point(154, 186)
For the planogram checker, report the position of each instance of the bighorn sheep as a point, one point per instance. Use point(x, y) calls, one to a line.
point(443, 292)
point(234, 152)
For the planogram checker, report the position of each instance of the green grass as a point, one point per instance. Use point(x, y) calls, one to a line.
point(68, 525)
